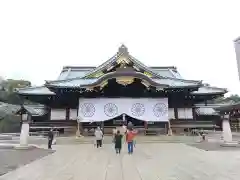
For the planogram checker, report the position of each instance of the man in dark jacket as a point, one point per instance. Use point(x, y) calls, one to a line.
point(50, 139)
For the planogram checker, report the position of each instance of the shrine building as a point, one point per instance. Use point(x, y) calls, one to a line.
point(120, 90)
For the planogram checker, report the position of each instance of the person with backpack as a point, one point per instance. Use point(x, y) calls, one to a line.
point(130, 135)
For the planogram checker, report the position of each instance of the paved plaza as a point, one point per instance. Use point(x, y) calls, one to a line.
point(151, 161)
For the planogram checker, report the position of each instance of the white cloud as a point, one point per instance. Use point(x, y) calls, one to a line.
point(37, 38)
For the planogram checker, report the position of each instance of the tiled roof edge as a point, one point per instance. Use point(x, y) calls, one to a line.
point(163, 77)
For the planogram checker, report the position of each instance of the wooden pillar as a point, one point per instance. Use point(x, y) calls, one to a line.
point(67, 113)
point(176, 113)
point(194, 113)
point(102, 126)
point(205, 102)
point(145, 125)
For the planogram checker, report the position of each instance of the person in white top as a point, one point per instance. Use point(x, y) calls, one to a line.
point(123, 131)
point(114, 132)
point(99, 137)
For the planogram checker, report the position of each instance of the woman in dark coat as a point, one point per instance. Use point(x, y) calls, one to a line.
point(118, 142)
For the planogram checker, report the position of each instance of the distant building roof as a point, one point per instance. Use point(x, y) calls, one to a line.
point(34, 110)
point(40, 90)
point(228, 107)
point(210, 90)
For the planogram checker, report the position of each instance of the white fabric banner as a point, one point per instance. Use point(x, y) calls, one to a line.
point(146, 109)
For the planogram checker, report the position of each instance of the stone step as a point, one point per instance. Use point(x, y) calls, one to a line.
point(142, 139)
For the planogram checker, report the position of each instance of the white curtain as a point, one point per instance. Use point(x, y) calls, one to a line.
point(185, 113)
point(73, 114)
point(58, 114)
point(147, 109)
point(188, 113)
point(171, 113)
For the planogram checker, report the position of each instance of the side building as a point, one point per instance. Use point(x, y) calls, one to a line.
point(124, 77)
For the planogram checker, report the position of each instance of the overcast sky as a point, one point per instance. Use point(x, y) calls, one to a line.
point(38, 38)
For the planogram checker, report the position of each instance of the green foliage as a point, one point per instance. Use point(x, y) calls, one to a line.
point(10, 124)
point(7, 90)
point(234, 98)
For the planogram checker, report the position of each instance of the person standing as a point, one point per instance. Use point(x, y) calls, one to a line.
point(118, 142)
point(114, 132)
point(123, 131)
point(130, 135)
point(130, 125)
point(99, 137)
point(50, 138)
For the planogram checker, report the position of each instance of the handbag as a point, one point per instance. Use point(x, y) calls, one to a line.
point(54, 142)
point(114, 140)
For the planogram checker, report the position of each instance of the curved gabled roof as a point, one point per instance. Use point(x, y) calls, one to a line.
point(111, 75)
point(69, 72)
point(122, 52)
point(157, 82)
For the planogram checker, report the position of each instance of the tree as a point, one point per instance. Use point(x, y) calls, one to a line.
point(7, 90)
point(9, 122)
point(234, 98)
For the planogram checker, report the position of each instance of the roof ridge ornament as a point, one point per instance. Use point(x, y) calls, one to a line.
point(122, 50)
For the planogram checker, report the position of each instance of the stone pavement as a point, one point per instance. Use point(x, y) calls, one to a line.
point(154, 161)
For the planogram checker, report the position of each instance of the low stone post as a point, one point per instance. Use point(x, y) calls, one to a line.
point(227, 133)
point(226, 129)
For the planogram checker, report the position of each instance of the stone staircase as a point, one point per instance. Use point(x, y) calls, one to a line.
point(139, 139)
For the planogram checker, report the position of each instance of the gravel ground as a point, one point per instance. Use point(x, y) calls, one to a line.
point(11, 159)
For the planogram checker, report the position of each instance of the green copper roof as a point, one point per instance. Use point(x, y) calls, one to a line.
point(9, 109)
point(76, 82)
point(209, 90)
point(79, 82)
point(76, 72)
point(41, 90)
